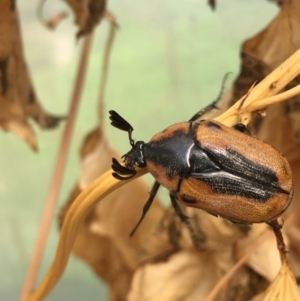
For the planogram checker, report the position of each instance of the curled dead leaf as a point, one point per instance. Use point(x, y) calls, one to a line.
point(88, 13)
point(264, 52)
point(18, 101)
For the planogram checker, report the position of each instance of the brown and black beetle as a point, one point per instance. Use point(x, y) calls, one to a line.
point(207, 165)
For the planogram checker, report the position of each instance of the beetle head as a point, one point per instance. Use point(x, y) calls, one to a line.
point(134, 157)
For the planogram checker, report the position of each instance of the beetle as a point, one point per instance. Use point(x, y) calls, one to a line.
point(204, 164)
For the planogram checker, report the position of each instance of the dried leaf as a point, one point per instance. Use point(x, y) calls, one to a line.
point(209, 233)
point(258, 297)
point(284, 286)
point(111, 253)
point(266, 258)
point(189, 275)
point(293, 232)
point(260, 55)
point(88, 13)
point(264, 52)
point(18, 102)
point(177, 279)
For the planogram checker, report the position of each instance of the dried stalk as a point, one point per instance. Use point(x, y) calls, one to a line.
point(259, 96)
point(57, 174)
point(73, 219)
point(104, 185)
point(105, 64)
point(242, 261)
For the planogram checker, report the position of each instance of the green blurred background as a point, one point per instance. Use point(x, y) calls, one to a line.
point(168, 61)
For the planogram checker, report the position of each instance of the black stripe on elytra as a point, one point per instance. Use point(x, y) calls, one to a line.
point(232, 162)
point(225, 183)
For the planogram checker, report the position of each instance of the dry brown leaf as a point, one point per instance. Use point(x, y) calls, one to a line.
point(18, 102)
point(88, 13)
point(294, 236)
point(209, 233)
point(217, 250)
point(266, 259)
point(264, 52)
point(260, 55)
point(179, 278)
point(257, 297)
point(189, 275)
point(111, 253)
point(284, 286)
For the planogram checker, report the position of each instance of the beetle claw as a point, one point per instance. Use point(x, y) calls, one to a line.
point(118, 177)
point(121, 170)
point(117, 167)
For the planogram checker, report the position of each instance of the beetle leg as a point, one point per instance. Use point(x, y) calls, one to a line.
point(179, 184)
point(184, 174)
point(241, 128)
point(147, 206)
point(212, 105)
point(276, 226)
point(179, 212)
point(205, 110)
point(185, 220)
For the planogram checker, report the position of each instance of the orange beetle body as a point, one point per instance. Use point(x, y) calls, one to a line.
point(222, 171)
point(207, 165)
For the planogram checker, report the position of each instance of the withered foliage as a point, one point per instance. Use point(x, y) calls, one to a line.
point(88, 13)
point(281, 126)
point(104, 240)
point(161, 262)
point(18, 102)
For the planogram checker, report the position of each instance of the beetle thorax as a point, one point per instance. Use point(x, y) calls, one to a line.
point(135, 157)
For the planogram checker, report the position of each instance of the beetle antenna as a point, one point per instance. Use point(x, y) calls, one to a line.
point(120, 123)
point(131, 141)
point(147, 206)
